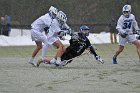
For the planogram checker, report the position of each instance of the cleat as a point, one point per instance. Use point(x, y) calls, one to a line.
point(58, 62)
point(31, 61)
point(39, 62)
point(53, 61)
point(98, 58)
point(114, 61)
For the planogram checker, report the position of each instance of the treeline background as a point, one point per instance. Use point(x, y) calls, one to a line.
point(95, 13)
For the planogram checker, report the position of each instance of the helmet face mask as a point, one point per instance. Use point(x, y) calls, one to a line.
point(61, 17)
point(85, 30)
point(126, 13)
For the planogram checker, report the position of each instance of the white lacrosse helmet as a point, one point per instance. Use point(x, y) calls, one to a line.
point(53, 11)
point(61, 16)
point(126, 10)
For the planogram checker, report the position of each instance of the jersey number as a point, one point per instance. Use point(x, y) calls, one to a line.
point(127, 25)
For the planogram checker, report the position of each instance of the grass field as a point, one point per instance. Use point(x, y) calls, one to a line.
point(83, 75)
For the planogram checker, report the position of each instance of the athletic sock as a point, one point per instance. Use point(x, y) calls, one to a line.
point(44, 50)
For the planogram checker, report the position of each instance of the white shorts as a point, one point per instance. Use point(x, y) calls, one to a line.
point(38, 36)
point(51, 40)
point(129, 39)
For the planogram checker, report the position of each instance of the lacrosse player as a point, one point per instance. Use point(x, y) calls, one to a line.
point(125, 25)
point(78, 43)
point(56, 33)
point(41, 24)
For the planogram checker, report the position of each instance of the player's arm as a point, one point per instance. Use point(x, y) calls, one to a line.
point(92, 51)
point(119, 26)
point(90, 48)
point(135, 24)
point(67, 29)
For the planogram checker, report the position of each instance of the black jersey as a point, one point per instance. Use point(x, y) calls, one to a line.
point(78, 43)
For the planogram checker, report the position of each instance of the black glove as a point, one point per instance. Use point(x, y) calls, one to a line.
point(123, 35)
point(46, 29)
point(75, 37)
point(61, 34)
point(69, 32)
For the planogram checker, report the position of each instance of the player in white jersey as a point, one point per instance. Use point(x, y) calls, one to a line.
point(41, 24)
point(125, 26)
point(56, 32)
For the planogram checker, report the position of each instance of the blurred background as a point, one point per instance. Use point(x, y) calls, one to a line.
point(97, 14)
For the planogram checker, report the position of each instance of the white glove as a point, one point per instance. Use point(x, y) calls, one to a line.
point(98, 58)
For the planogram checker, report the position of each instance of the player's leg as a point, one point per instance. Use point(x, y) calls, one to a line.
point(36, 36)
point(60, 50)
point(134, 41)
point(45, 60)
point(36, 50)
point(111, 37)
point(122, 41)
point(38, 47)
point(44, 50)
point(115, 37)
point(137, 44)
point(119, 50)
point(45, 46)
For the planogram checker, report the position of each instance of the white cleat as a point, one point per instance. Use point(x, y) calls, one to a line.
point(98, 58)
point(32, 62)
point(58, 63)
point(53, 61)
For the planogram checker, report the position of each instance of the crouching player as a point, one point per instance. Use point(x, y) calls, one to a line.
point(78, 43)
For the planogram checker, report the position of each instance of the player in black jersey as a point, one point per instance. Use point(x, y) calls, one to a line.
point(78, 44)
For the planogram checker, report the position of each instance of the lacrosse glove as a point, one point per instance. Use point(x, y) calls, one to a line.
point(138, 32)
point(61, 35)
point(123, 35)
point(46, 29)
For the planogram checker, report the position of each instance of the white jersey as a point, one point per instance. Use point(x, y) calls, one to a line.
point(42, 22)
point(54, 29)
point(125, 24)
